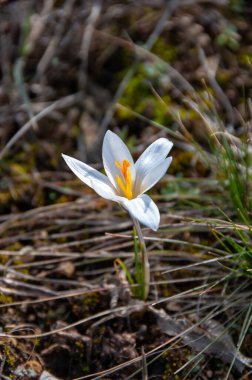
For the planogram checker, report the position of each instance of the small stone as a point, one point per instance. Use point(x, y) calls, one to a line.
point(66, 268)
point(47, 376)
point(209, 374)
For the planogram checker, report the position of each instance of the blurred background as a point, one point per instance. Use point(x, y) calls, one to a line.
point(71, 69)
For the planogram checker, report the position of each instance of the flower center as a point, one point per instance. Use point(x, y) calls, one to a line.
point(126, 184)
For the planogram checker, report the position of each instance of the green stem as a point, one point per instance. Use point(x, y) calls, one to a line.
point(137, 264)
point(144, 259)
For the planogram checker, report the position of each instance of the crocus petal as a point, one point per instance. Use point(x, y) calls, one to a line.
point(150, 159)
point(143, 209)
point(113, 150)
point(154, 176)
point(91, 177)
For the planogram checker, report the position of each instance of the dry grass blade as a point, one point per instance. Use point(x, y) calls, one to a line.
point(67, 101)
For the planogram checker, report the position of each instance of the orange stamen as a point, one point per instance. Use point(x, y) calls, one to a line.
point(126, 185)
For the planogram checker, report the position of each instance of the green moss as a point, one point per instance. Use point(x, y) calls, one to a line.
point(246, 59)
point(224, 76)
point(164, 50)
point(181, 165)
point(91, 300)
point(14, 247)
point(229, 37)
point(80, 351)
point(10, 357)
point(173, 361)
point(4, 298)
point(138, 95)
point(97, 339)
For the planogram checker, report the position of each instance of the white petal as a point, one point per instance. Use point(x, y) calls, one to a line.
point(143, 209)
point(91, 177)
point(154, 176)
point(150, 159)
point(113, 150)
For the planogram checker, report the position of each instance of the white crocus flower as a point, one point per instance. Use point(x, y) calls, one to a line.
point(127, 182)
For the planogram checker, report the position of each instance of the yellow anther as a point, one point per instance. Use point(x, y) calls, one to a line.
point(126, 185)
